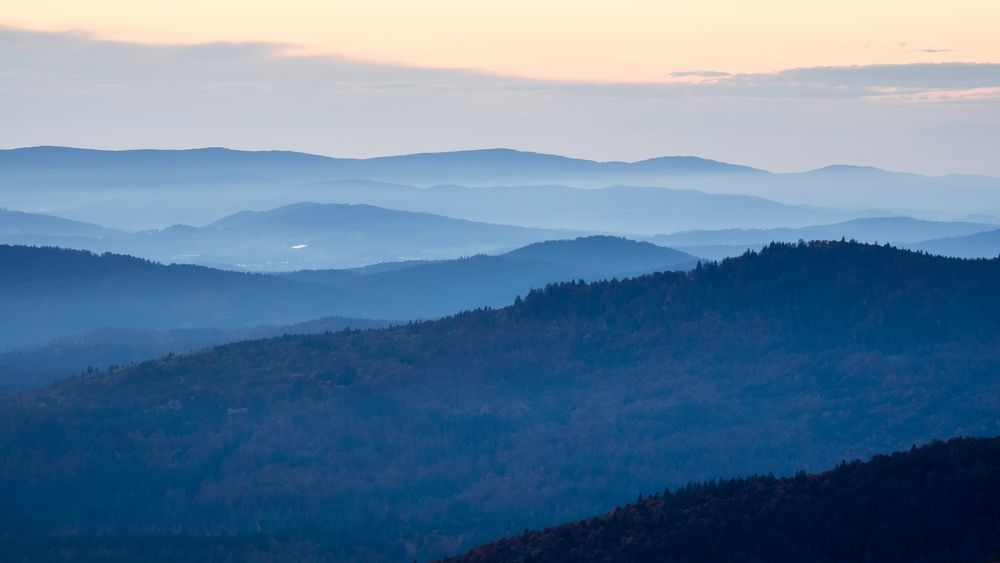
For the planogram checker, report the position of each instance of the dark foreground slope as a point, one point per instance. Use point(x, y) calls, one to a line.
point(939, 503)
point(425, 440)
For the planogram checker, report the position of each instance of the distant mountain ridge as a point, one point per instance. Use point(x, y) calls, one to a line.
point(433, 289)
point(297, 236)
point(84, 182)
point(619, 209)
point(18, 223)
point(627, 210)
point(984, 244)
point(463, 166)
point(47, 293)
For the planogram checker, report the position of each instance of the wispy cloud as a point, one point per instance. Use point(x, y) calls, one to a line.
point(73, 88)
point(986, 94)
point(53, 58)
point(861, 81)
point(700, 73)
point(695, 76)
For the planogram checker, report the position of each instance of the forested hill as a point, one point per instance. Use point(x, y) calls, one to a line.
point(97, 349)
point(938, 503)
point(423, 290)
point(605, 254)
point(52, 292)
point(48, 293)
point(425, 440)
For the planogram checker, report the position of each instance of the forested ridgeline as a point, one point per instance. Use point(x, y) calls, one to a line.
point(50, 293)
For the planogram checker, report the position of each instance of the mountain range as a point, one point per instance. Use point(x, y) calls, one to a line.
point(215, 354)
point(324, 236)
point(427, 439)
point(48, 293)
point(65, 167)
point(298, 236)
point(20, 224)
point(977, 245)
point(158, 188)
point(432, 289)
point(623, 209)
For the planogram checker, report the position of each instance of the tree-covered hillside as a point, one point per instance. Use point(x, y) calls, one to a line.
point(426, 290)
point(48, 293)
point(51, 292)
point(938, 503)
point(424, 440)
point(99, 349)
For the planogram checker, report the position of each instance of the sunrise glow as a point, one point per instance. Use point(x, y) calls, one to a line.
point(624, 41)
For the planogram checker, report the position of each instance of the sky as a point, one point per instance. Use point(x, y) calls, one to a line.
point(784, 85)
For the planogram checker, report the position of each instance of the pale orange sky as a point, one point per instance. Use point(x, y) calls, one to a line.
point(623, 40)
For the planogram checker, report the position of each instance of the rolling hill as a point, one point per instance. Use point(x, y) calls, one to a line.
point(894, 230)
point(433, 289)
point(846, 185)
point(18, 223)
point(606, 256)
point(621, 209)
point(163, 187)
point(48, 293)
point(312, 235)
point(427, 439)
point(935, 503)
point(104, 348)
point(626, 209)
point(66, 167)
point(978, 245)
point(302, 235)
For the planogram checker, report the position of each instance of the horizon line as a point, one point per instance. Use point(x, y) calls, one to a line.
point(485, 150)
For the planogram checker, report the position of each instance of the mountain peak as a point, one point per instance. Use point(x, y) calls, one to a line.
point(846, 169)
point(606, 251)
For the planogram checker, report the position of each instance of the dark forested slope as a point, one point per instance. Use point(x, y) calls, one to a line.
point(424, 440)
point(938, 503)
